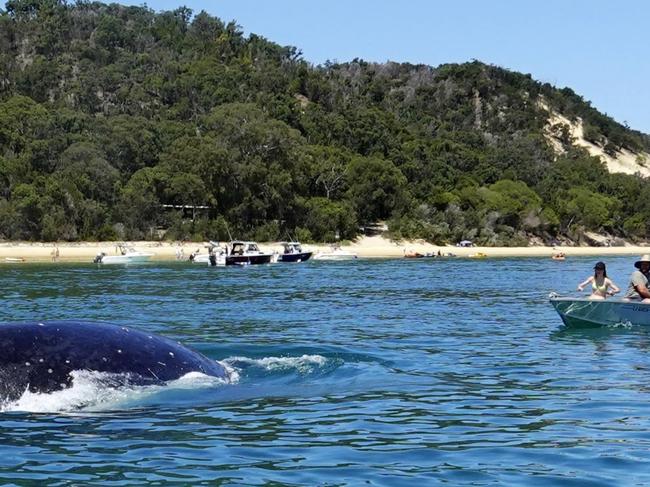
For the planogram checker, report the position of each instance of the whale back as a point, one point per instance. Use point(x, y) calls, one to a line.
point(41, 356)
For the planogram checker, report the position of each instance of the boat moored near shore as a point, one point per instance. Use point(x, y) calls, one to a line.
point(128, 255)
point(216, 255)
point(293, 252)
point(246, 253)
point(335, 253)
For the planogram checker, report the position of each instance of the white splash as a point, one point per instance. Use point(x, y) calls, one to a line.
point(88, 389)
point(303, 364)
point(96, 391)
point(622, 324)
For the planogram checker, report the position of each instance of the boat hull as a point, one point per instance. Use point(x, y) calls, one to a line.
point(343, 255)
point(201, 259)
point(608, 312)
point(299, 257)
point(14, 259)
point(210, 260)
point(248, 259)
point(125, 259)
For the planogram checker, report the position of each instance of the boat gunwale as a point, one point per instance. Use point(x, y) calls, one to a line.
point(609, 300)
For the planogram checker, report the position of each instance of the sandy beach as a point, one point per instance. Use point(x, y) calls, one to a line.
point(370, 247)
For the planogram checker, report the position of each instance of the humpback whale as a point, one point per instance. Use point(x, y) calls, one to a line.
point(40, 356)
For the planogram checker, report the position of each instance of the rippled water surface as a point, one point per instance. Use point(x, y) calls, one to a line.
point(373, 372)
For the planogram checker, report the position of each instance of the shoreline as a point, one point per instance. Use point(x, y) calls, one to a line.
point(365, 247)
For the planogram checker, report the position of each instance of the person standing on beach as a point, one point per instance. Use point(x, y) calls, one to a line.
point(638, 287)
point(601, 285)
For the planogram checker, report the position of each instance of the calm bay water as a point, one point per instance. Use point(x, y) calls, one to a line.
point(374, 372)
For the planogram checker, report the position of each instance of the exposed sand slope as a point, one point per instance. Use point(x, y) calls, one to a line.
point(625, 161)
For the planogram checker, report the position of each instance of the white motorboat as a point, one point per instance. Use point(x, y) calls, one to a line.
point(335, 253)
point(603, 312)
point(128, 255)
point(14, 260)
point(216, 256)
point(200, 258)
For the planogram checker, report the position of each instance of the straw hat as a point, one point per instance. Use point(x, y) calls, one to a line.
point(644, 258)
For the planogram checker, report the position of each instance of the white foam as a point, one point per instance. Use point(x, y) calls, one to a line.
point(622, 324)
point(96, 391)
point(303, 364)
point(233, 373)
point(88, 389)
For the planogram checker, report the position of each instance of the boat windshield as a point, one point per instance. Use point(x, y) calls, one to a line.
point(124, 249)
point(292, 248)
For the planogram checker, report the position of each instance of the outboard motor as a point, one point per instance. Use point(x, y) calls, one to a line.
point(98, 258)
point(213, 259)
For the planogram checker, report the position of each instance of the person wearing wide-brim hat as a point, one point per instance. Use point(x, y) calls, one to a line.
point(638, 288)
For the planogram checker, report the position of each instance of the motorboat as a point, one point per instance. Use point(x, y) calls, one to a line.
point(293, 252)
point(413, 255)
point(246, 253)
point(335, 253)
point(128, 255)
point(216, 258)
point(216, 255)
point(558, 256)
point(410, 254)
point(576, 312)
point(200, 258)
point(14, 260)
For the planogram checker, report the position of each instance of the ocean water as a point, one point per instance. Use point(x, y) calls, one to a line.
point(372, 372)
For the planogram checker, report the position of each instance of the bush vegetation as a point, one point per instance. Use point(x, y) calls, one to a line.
point(108, 112)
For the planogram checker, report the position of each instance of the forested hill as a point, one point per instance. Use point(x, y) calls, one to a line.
point(112, 116)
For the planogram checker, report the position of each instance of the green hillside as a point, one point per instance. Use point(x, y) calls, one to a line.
point(113, 117)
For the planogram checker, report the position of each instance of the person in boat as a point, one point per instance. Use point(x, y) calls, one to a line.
point(638, 287)
point(601, 285)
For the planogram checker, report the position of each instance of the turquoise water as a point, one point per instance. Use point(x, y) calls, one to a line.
point(373, 372)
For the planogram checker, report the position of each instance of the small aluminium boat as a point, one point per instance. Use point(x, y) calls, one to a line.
point(583, 312)
point(293, 252)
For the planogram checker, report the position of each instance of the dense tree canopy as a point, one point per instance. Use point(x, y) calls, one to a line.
point(114, 118)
